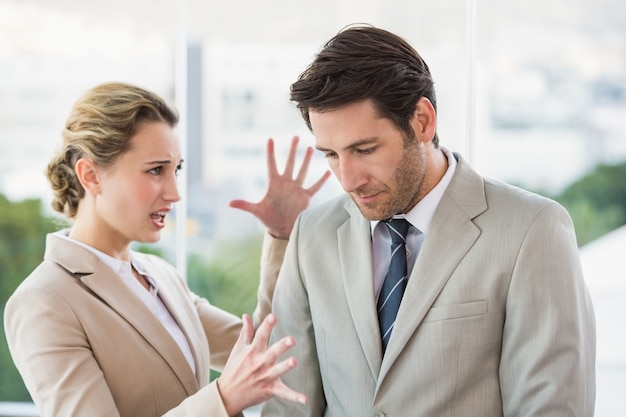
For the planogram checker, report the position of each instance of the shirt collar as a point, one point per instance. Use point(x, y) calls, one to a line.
point(118, 265)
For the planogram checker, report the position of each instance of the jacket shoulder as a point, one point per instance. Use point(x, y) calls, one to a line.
point(329, 213)
point(510, 195)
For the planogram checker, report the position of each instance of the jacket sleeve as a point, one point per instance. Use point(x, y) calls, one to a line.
point(272, 256)
point(548, 349)
point(53, 356)
point(206, 402)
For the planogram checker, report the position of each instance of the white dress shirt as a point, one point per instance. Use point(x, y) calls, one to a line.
point(419, 216)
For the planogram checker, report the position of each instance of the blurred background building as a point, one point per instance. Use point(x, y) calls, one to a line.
point(531, 92)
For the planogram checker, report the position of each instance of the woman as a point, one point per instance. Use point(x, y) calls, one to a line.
point(100, 330)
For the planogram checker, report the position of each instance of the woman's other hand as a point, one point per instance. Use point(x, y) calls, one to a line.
point(252, 374)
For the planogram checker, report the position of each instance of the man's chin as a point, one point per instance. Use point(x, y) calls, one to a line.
point(372, 213)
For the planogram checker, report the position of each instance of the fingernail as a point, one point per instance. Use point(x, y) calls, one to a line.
point(289, 341)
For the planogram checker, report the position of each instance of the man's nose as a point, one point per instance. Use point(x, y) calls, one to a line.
point(351, 174)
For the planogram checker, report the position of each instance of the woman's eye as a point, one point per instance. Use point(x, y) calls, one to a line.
point(155, 171)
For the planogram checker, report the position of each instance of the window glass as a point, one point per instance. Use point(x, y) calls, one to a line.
point(532, 93)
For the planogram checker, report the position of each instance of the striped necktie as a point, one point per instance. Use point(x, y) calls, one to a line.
point(395, 280)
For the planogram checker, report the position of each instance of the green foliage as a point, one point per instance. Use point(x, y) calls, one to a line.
point(597, 201)
point(592, 222)
point(605, 187)
point(229, 279)
point(22, 229)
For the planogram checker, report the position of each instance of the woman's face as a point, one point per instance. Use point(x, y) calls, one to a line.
point(138, 191)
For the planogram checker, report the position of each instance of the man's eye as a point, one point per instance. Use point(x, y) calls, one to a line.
point(366, 151)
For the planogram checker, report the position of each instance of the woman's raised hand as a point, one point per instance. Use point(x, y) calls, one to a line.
point(286, 196)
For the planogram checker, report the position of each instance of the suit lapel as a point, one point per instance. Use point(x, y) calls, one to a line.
point(355, 258)
point(450, 236)
point(108, 286)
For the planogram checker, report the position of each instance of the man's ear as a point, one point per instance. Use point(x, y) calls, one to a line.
point(424, 120)
point(87, 174)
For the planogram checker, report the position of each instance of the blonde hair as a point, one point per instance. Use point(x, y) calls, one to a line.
point(100, 127)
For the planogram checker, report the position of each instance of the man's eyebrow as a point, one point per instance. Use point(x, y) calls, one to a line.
point(358, 143)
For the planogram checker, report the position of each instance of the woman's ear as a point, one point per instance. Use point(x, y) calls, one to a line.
point(87, 174)
point(424, 120)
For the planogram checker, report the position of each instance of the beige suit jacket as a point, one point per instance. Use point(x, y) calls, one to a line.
point(495, 321)
point(86, 346)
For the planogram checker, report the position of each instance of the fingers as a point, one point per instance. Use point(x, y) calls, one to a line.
point(243, 205)
point(272, 169)
point(283, 391)
point(262, 335)
point(277, 350)
point(247, 331)
point(281, 368)
point(291, 158)
point(312, 190)
point(304, 168)
point(252, 374)
point(291, 162)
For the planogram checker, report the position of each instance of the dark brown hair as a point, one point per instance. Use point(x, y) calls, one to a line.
point(366, 63)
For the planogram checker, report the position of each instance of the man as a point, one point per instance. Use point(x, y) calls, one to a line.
point(495, 319)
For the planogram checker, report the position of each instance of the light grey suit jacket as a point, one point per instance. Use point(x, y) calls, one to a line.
point(495, 321)
point(86, 346)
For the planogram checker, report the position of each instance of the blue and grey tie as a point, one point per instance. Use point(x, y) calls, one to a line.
point(395, 280)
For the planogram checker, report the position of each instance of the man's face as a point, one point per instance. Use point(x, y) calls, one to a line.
point(376, 165)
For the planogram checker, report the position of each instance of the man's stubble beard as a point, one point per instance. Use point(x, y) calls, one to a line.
point(408, 183)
